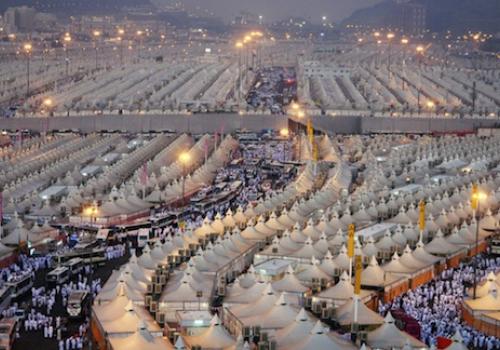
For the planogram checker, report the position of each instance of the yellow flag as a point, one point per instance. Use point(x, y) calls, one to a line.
point(474, 197)
point(315, 151)
point(358, 268)
point(182, 225)
point(421, 216)
point(310, 131)
point(350, 241)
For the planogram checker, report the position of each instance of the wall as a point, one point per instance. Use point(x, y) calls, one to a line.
point(366, 125)
point(196, 123)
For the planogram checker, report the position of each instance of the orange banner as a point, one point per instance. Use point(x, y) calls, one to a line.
point(358, 264)
point(350, 241)
point(421, 216)
point(474, 197)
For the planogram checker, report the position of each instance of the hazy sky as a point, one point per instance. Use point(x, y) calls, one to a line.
point(277, 9)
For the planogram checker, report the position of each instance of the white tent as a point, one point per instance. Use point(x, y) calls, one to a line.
point(345, 314)
point(296, 331)
point(278, 316)
point(320, 339)
point(484, 288)
point(389, 337)
point(141, 339)
point(215, 337)
point(289, 283)
point(130, 321)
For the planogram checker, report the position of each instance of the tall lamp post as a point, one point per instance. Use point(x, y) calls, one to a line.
point(28, 48)
point(390, 36)
point(476, 199)
point(47, 104)
point(239, 46)
point(139, 46)
point(284, 133)
point(67, 40)
point(377, 41)
point(184, 159)
point(404, 42)
point(247, 40)
point(96, 35)
point(420, 52)
point(121, 32)
point(300, 115)
point(91, 211)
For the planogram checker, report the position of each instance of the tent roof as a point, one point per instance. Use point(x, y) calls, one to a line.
point(140, 339)
point(215, 337)
point(388, 336)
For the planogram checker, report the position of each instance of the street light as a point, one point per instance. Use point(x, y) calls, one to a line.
point(476, 199)
point(67, 40)
point(284, 133)
point(28, 48)
point(48, 102)
point(300, 115)
point(404, 42)
point(96, 35)
point(140, 45)
point(420, 51)
point(91, 211)
point(184, 159)
point(390, 36)
point(121, 33)
point(239, 46)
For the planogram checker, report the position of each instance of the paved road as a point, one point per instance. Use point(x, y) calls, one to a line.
point(34, 340)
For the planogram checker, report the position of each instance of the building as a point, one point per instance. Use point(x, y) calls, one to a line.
point(20, 19)
point(413, 18)
point(10, 20)
point(45, 22)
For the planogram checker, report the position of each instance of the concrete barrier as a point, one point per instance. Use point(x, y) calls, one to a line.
point(195, 123)
point(367, 125)
point(211, 122)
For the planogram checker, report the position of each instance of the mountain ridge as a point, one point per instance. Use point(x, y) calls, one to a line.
point(441, 15)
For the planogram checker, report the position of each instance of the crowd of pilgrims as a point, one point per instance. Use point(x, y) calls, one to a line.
point(40, 317)
point(437, 304)
point(252, 178)
point(24, 266)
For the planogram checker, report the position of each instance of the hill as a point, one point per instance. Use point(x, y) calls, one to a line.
point(456, 15)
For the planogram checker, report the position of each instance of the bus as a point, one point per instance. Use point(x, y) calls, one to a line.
point(494, 243)
point(143, 237)
point(78, 304)
point(88, 255)
point(20, 285)
point(59, 275)
point(5, 297)
point(7, 333)
point(74, 265)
